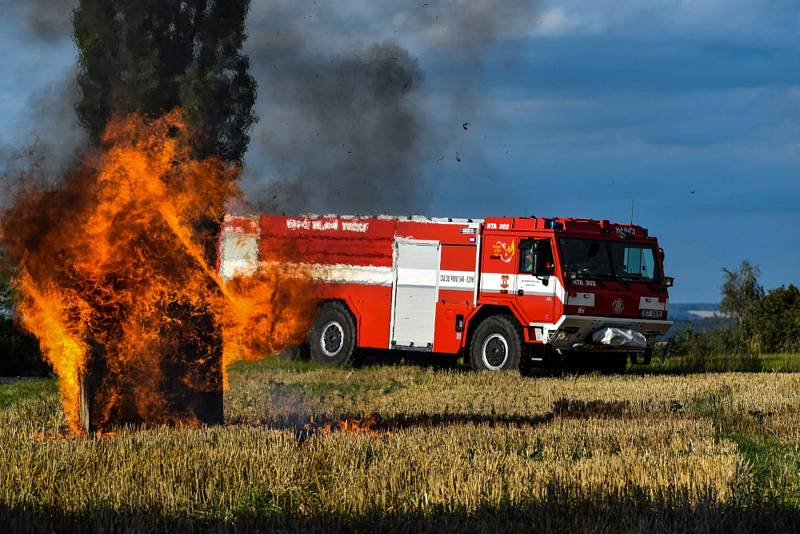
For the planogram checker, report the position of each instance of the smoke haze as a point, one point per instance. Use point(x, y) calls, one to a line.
point(349, 120)
point(48, 20)
point(350, 130)
point(53, 140)
point(49, 133)
point(347, 123)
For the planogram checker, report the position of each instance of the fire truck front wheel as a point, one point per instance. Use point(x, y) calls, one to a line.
point(332, 339)
point(496, 345)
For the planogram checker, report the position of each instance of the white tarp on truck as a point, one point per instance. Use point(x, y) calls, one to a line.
point(620, 337)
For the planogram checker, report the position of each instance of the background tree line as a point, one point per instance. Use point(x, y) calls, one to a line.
point(758, 322)
point(19, 351)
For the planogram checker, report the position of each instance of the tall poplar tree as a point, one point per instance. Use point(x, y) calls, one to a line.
point(150, 56)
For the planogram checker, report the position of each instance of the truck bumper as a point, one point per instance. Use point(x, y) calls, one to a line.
point(574, 332)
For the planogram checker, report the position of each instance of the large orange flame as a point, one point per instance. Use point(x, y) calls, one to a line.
point(113, 264)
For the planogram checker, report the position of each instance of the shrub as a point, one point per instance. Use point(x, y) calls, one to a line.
point(21, 355)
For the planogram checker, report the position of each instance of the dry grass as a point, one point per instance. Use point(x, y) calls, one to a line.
point(449, 448)
point(393, 390)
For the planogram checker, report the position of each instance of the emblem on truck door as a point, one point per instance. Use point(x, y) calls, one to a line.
point(503, 251)
point(618, 305)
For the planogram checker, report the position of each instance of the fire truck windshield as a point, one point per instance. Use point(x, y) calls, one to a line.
point(620, 260)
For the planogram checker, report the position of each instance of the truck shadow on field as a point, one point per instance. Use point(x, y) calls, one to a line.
point(670, 365)
point(425, 360)
point(305, 427)
point(376, 424)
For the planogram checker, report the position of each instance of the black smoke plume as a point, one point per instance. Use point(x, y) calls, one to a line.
point(352, 131)
point(346, 110)
point(348, 127)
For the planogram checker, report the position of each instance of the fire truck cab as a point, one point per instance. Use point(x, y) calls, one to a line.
point(501, 291)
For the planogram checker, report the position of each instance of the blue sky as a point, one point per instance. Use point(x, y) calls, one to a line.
point(690, 108)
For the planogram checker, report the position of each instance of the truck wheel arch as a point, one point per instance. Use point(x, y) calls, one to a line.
point(348, 304)
point(480, 314)
point(497, 344)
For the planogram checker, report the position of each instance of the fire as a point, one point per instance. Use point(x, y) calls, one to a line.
point(365, 424)
point(351, 425)
point(266, 313)
point(114, 279)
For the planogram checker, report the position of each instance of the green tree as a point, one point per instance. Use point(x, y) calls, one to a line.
point(19, 351)
point(740, 290)
point(150, 56)
point(775, 320)
point(6, 289)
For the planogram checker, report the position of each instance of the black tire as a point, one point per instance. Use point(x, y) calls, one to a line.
point(496, 345)
point(332, 340)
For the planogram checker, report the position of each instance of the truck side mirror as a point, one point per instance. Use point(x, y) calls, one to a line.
point(526, 247)
point(538, 262)
point(543, 259)
point(540, 258)
point(540, 270)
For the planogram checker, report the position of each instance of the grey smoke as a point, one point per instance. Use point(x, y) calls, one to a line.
point(346, 118)
point(52, 112)
point(49, 135)
point(54, 141)
point(349, 123)
point(48, 20)
point(351, 131)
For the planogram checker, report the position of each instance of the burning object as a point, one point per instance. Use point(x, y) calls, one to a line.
point(116, 281)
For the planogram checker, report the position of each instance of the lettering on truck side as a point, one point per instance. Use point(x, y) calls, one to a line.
point(347, 226)
point(457, 278)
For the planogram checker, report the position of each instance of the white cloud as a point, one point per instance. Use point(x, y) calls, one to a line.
point(708, 19)
point(556, 21)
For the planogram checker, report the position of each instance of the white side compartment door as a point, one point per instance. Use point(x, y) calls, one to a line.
point(416, 290)
point(238, 252)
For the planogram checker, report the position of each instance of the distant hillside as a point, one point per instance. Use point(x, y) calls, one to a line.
point(693, 310)
point(701, 316)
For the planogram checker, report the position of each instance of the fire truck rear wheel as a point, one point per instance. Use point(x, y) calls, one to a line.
point(332, 340)
point(496, 345)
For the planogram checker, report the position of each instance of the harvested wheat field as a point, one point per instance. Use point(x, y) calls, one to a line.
point(403, 448)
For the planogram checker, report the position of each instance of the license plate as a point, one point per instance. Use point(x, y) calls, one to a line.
point(652, 314)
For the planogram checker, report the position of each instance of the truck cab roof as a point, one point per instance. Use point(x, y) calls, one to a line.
point(588, 227)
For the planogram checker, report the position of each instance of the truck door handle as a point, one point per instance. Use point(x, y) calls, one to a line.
point(521, 292)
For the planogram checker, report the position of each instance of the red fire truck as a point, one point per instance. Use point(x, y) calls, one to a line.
point(500, 291)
